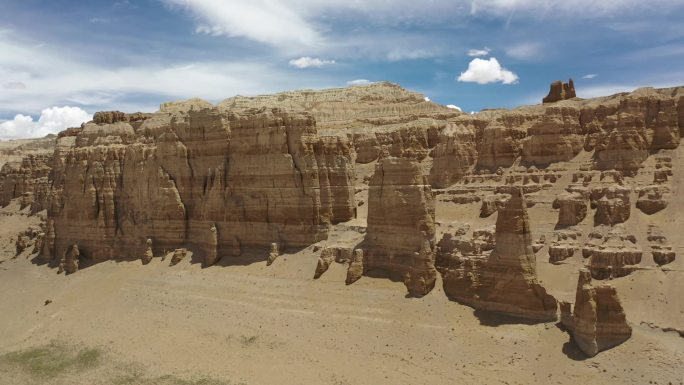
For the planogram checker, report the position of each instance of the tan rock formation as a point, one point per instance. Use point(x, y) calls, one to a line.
point(273, 254)
point(612, 205)
point(560, 91)
point(178, 256)
point(653, 198)
point(339, 254)
point(505, 281)
point(454, 156)
point(613, 252)
point(572, 208)
point(598, 321)
point(355, 270)
point(564, 245)
point(220, 179)
point(661, 249)
point(401, 224)
point(19, 179)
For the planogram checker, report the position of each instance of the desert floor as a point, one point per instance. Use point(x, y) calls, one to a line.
point(241, 322)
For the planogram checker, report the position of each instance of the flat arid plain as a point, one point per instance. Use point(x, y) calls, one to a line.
point(359, 235)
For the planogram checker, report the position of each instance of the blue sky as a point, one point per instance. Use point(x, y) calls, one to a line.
point(134, 54)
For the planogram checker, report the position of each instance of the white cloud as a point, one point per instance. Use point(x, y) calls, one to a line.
point(427, 99)
point(589, 76)
point(52, 120)
point(51, 78)
point(358, 82)
point(525, 51)
point(277, 23)
point(309, 62)
point(479, 52)
point(482, 71)
point(454, 107)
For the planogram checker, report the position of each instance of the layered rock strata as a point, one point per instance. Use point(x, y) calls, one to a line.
point(197, 176)
point(612, 252)
point(401, 224)
point(597, 321)
point(504, 281)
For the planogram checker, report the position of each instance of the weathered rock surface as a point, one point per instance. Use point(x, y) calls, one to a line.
point(564, 245)
point(661, 249)
point(20, 179)
point(653, 198)
point(613, 252)
point(505, 281)
point(572, 208)
point(195, 174)
point(560, 91)
point(401, 224)
point(597, 322)
point(612, 205)
point(339, 254)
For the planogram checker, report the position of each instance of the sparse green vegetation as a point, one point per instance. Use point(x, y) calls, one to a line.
point(247, 341)
point(52, 360)
point(61, 363)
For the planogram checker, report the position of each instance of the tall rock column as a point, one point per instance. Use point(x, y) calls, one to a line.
point(598, 321)
point(506, 280)
point(401, 224)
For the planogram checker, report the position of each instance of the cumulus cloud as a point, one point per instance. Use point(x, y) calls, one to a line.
point(454, 107)
point(479, 52)
point(309, 62)
point(482, 71)
point(51, 121)
point(589, 76)
point(358, 82)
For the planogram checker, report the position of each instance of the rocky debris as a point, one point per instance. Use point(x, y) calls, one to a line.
point(564, 245)
point(539, 244)
point(332, 254)
point(273, 254)
point(660, 247)
point(178, 255)
point(505, 281)
point(355, 270)
point(31, 237)
point(597, 322)
point(148, 254)
point(169, 180)
point(560, 91)
point(612, 205)
point(572, 206)
point(401, 224)
point(613, 252)
point(70, 261)
point(653, 198)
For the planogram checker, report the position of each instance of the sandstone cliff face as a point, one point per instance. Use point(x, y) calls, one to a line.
point(202, 176)
point(620, 131)
point(401, 224)
point(504, 281)
point(380, 120)
point(598, 320)
point(21, 179)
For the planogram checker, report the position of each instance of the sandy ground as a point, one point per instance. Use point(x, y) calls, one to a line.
point(254, 324)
